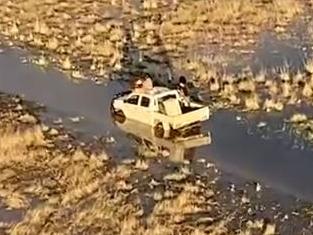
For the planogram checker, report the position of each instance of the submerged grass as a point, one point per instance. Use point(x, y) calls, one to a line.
point(101, 38)
point(221, 20)
point(93, 36)
point(302, 126)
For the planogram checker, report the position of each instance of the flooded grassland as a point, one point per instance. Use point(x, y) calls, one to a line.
point(53, 183)
point(113, 39)
point(105, 37)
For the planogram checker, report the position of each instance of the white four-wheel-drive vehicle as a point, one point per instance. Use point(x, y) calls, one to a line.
point(162, 108)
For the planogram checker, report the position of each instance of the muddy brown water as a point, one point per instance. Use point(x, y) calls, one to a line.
point(238, 148)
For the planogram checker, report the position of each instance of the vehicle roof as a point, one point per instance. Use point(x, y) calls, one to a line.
point(158, 90)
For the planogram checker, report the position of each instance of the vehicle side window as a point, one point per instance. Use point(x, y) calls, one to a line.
point(133, 99)
point(145, 101)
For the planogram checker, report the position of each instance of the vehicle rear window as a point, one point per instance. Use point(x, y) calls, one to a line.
point(145, 101)
point(164, 98)
point(133, 99)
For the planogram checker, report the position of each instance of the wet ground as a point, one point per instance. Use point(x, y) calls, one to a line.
point(242, 149)
point(238, 148)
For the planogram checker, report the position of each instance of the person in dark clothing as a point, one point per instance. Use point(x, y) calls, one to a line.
point(183, 90)
point(182, 86)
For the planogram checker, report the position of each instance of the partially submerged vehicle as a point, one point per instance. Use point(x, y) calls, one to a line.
point(162, 108)
point(148, 145)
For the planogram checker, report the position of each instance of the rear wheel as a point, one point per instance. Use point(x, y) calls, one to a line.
point(119, 117)
point(159, 130)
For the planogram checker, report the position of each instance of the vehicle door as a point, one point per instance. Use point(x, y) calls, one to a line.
point(145, 109)
point(131, 107)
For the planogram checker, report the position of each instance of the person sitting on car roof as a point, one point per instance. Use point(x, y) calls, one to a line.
point(143, 84)
point(147, 84)
point(138, 86)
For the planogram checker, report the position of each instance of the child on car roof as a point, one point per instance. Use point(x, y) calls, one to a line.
point(143, 84)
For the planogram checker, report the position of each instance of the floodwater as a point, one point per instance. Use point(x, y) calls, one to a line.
point(290, 50)
point(238, 147)
point(62, 98)
point(271, 156)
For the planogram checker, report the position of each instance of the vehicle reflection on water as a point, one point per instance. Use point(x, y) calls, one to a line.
point(178, 148)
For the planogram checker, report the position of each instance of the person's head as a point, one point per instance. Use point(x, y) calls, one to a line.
point(182, 80)
point(138, 83)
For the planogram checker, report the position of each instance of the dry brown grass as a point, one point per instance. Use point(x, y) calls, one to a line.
point(302, 126)
point(82, 194)
point(14, 144)
point(246, 91)
point(298, 118)
point(76, 193)
point(79, 38)
point(253, 11)
point(92, 203)
point(223, 17)
point(252, 102)
point(51, 26)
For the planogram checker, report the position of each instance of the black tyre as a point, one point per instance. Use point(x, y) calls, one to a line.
point(119, 116)
point(159, 130)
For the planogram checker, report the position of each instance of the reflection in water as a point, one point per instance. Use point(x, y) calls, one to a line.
point(177, 148)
